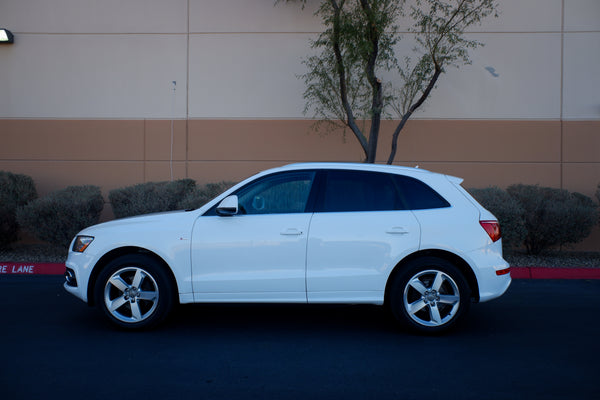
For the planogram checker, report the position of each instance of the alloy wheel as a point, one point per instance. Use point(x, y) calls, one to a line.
point(431, 298)
point(131, 295)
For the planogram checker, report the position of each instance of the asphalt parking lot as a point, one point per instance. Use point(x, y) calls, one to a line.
point(540, 340)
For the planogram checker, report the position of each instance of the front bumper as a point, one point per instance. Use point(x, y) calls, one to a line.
point(77, 276)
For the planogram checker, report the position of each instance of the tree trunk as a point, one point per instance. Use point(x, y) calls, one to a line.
point(377, 95)
point(373, 138)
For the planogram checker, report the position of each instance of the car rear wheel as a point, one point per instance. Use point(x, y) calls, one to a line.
point(134, 292)
point(430, 295)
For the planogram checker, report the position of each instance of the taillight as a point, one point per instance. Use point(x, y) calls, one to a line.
point(493, 229)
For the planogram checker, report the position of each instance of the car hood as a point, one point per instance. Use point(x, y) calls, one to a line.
point(170, 218)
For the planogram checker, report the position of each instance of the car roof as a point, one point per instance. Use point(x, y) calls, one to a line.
point(359, 167)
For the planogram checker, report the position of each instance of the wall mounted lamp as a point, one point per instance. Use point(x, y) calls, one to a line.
point(6, 36)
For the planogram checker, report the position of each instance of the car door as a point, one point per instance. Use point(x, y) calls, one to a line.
point(258, 254)
point(359, 232)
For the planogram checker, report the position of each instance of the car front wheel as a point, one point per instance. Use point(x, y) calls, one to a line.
point(430, 295)
point(134, 292)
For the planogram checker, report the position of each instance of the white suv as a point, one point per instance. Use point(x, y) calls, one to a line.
point(304, 233)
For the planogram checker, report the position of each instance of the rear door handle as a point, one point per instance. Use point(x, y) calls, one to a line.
point(291, 232)
point(397, 230)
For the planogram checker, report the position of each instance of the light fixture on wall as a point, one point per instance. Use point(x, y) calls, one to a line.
point(6, 36)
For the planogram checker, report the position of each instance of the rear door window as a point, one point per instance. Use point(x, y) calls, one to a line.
point(346, 191)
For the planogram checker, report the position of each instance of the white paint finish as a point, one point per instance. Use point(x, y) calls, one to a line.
point(355, 252)
point(93, 76)
point(527, 84)
point(94, 16)
point(488, 265)
point(172, 245)
point(582, 76)
point(250, 297)
point(82, 264)
point(350, 297)
point(246, 75)
point(251, 255)
point(582, 15)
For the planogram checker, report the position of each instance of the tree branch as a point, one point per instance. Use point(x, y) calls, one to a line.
point(411, 110)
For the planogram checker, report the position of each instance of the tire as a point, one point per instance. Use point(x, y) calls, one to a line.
point(134, 292)
point(429, 296)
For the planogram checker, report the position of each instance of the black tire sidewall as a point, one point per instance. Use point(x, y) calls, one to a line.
point(410, 270)
point(151, 267)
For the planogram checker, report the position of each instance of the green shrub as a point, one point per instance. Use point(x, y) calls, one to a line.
point(16, 190)
point(598, 197)
point(204, 194)
point(59, 216)
point(554, 216)
point(509, 212)
point(150, 197)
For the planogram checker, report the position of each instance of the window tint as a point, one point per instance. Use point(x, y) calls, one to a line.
point(277, 194)
point(358, 191)
point(418, 195)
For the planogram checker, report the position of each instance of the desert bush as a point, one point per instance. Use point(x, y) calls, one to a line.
point(150, 197)
point(204, 194)
point(598, 197)
point(16, 190)
point(509, 212)
point(59, 216)
point(554, 216)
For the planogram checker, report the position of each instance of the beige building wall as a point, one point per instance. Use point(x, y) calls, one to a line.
point(119, 92)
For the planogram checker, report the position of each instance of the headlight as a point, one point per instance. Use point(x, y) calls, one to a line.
point(82, 243)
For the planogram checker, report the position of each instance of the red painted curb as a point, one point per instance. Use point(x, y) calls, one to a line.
point(12, 268)
point(520, 273)
point(554, 273)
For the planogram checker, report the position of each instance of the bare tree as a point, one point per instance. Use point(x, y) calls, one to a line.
point(344, 83)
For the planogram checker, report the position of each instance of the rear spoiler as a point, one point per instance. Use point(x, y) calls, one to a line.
point(454, 179)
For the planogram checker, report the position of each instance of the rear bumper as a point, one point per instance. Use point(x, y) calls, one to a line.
point(492, 277)
point(499, 287)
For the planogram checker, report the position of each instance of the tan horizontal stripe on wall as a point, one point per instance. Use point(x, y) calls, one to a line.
point(119, 152)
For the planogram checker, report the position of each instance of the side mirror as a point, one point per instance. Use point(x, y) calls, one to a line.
point(228, 207)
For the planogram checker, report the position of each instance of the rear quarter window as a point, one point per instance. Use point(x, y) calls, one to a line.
point(418, 195)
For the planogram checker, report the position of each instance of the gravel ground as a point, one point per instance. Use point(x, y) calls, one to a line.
point(45, 253)
point(34, 253)
point(555, 259)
